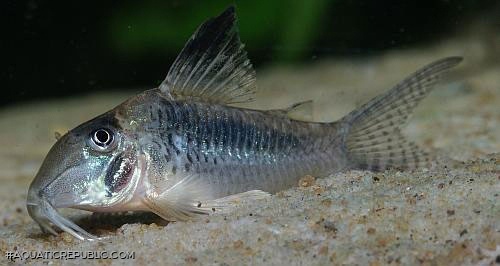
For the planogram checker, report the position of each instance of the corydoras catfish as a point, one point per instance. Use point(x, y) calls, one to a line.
point(183, 149)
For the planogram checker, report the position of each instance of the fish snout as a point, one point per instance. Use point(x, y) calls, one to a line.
point(46, 216)
point(36, 206)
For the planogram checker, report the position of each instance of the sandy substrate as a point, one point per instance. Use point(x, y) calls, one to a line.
point(449, 214)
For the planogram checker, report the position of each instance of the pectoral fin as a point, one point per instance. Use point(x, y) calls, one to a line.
point(191, 197)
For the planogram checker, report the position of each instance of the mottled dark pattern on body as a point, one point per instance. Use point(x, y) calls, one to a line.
point(240, 146)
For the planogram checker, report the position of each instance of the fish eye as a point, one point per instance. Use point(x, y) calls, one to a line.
point(102, 139)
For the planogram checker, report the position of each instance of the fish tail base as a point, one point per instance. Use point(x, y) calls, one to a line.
point(374, 140)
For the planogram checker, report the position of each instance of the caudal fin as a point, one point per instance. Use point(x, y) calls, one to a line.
point(374, 140)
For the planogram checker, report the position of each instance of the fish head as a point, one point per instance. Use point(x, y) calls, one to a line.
point(92, 167)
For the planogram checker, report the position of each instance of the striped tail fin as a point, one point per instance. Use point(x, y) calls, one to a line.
point(374, 140)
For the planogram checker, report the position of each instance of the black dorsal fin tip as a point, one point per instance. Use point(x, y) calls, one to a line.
point(229, 12)
point(213, 66)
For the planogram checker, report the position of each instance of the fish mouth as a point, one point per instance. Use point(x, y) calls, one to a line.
point(47, 216)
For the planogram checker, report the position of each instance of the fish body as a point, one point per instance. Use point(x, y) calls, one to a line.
point(183, 149)
point(244, 149)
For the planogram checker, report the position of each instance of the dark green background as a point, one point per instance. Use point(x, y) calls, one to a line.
point(61, 48)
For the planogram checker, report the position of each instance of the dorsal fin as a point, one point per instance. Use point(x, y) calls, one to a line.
point(213, 66)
